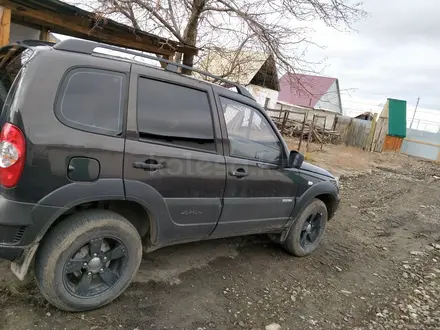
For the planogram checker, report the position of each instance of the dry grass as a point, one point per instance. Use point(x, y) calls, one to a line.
point(340, 159)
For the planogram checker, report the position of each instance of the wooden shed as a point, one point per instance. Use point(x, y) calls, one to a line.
point(45, 16)
point(390, 129)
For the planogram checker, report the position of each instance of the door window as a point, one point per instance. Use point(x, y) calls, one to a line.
point(250, 134)
point(174, 114)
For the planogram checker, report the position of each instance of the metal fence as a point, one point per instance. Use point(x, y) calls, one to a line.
point(421, 144)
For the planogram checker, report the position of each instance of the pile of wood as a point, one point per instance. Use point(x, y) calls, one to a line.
point(294, 128)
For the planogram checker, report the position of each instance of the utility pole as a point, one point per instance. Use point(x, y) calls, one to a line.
point(414, 114)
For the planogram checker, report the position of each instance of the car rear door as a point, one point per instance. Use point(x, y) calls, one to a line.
point(260, 191)
point(174, 161)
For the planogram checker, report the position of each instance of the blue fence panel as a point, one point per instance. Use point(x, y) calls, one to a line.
point(420, 150)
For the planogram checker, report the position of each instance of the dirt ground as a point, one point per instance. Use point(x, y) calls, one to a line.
point(377, 268)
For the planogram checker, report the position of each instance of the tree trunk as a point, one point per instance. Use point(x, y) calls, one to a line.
point(190, 33)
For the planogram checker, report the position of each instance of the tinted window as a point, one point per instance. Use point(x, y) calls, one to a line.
point(250, 134)
point(92, 100)
point(174, 114)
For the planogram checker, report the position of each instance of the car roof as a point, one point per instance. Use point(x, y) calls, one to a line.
point(116, 53)
point(89, 48)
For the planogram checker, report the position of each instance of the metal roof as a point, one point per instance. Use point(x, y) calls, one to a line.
point(304, 90)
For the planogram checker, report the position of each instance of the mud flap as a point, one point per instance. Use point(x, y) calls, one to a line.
point(20, 266)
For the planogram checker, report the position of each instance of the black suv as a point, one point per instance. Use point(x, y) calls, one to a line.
point(101, 154)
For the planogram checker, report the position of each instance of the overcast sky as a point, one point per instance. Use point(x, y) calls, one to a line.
point(395, 53)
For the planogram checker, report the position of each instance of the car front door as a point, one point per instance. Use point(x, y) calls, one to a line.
point(174, 162)
point(260, 191)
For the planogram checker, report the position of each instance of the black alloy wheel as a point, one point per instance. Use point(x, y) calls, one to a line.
point(311, 230)
point(87, 260)
point(307, 230)
point(95, 268)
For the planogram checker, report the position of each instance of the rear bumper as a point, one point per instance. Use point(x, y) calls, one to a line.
point(21, 224)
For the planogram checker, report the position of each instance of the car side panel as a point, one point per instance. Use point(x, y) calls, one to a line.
point(50, 145)
point(164, 229)
point(183, 197)
point(262, 201)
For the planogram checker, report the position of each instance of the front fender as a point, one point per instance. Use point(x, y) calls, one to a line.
point(318, 189)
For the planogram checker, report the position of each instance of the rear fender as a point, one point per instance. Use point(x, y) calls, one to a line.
point(71, 195)
point(54, 205)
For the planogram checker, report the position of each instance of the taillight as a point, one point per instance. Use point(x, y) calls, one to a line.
point(12, 155)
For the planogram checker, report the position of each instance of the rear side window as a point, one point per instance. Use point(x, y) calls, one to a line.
point(92, 100)
point(174, 114)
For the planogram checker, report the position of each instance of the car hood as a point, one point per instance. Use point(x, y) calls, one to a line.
point(315, 169)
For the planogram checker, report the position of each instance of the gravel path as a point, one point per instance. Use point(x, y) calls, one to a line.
point(378, 268)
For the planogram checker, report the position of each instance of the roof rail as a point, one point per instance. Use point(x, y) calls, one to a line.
point(88, 47)
point(34, 43)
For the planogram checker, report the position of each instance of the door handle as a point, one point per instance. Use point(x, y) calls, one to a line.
point(148, 166)
point(239, 173)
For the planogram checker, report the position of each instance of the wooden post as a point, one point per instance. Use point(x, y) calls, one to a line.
point(323, 132)
point(370, 138)
point(335, 122)
point(44, 34)
point(349, 133)
point(302, 131)
point(286, 114)
point(309, 137)
point(5, 26)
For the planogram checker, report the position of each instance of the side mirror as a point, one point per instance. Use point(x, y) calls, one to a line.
point(295, 159)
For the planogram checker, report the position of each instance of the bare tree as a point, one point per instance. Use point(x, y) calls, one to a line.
point(277, 27)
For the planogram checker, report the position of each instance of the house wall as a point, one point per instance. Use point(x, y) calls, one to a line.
point(261, 93)
point(330, 100)
point(21, 32)
point(319, 122)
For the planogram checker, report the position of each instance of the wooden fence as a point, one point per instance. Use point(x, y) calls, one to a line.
point(297, 124)
point(314, 128)
point(357, 133)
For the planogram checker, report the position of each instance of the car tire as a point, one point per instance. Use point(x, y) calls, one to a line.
point(308, 229)
point(104, 240)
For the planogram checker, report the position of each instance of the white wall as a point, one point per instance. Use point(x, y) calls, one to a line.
point(20, 32)
point(319, 121)
point(330, 100)
point(261, 93)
